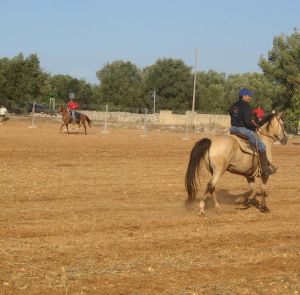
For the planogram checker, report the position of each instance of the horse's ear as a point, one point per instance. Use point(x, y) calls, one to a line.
point(280, 114)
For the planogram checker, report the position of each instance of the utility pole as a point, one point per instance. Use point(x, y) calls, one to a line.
point(194, 90)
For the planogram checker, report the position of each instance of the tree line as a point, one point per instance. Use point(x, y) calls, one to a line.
point(124, 86)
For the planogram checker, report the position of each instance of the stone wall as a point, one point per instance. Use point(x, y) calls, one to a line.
point(122, 117)
point(167, 117)
point(163, 118)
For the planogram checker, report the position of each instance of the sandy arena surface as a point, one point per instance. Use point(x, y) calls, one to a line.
point(106, 214)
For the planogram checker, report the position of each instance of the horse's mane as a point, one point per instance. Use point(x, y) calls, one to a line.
point(268, 119)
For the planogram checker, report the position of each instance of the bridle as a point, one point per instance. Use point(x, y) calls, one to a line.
point(275, 138)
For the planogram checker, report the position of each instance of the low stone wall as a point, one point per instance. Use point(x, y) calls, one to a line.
point(167, 117)
point(163, 118)
point(122, 117)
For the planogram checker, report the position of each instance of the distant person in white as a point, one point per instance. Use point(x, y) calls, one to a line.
point(3, 112)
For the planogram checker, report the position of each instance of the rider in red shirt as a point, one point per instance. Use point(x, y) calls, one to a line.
point(73, 106)
point(259, 113)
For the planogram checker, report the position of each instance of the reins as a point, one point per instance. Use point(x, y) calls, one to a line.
point(264, 134)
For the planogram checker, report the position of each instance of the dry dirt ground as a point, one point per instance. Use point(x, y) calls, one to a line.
point(106, 214)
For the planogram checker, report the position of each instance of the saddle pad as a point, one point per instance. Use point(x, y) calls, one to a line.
point(245, 145)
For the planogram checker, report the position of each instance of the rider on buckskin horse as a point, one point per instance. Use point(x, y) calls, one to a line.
point(73, 106)
point(242, 123)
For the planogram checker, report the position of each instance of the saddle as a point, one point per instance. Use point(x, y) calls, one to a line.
point(245, 145)
point(77, 116)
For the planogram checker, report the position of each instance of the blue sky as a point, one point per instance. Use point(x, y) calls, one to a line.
point(78, 37)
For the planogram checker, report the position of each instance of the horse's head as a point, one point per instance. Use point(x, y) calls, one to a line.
point(60, 109)
point(274, 128)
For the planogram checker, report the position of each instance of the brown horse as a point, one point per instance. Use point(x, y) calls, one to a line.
point(67, 119)
point(223, 153)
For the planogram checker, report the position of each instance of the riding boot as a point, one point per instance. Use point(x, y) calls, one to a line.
point(265, 170)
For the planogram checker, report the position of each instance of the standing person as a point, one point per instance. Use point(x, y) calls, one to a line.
point(73, 106)
point(259, 114)
point(242, 123)
point(3, 112)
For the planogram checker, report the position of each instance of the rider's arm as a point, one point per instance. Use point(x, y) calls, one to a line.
point(254, 124)
point(247, 118)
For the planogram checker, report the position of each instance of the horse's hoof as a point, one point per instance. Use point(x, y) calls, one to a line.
point(219, 210)
point(247, 203)
point(201, 214)
point(244, 203)
point(240, 200)
point(264, 209)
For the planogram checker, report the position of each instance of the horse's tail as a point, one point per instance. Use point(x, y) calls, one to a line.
point(88, 120)
point(197, 155)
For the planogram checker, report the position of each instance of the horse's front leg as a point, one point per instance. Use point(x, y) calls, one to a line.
point(262, 206)
point(62, 125)
point(246, 200)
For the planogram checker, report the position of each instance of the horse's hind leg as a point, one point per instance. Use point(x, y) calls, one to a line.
point(203, 199)
point(216, 203)
point(210, 192)
point(214, 181)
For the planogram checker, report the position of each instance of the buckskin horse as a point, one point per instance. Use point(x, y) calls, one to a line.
point(223, 153)
point(67, 119)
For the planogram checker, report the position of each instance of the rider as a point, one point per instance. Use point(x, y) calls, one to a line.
point(73, 106)
point(259, 114)
point(242, 123)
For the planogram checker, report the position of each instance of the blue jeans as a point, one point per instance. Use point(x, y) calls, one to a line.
point(251, 135)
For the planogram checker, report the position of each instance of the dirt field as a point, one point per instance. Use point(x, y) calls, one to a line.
point(105, 214)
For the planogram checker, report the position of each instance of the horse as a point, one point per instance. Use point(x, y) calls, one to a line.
point(67, 118)
point(222, 153)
